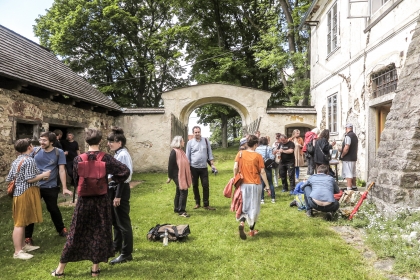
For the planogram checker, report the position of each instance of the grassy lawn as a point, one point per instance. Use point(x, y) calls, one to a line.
point(289, 245)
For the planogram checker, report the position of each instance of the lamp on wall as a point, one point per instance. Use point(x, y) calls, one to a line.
point(41, 129)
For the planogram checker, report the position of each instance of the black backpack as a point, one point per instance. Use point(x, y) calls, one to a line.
point(310, 149)
point(175, 233)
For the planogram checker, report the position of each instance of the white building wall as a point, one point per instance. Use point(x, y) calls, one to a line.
point(346, 71)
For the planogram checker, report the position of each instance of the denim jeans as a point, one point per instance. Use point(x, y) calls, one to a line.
point(268, 172)
point(310, 204)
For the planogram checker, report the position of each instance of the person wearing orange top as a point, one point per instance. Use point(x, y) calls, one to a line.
point(251, 165)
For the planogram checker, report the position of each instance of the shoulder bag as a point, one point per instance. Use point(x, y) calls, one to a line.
point(238, 179)
point(268, 162)
point(12, 185)
point(326, 157)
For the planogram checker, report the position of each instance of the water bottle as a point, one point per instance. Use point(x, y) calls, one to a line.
point(165, 238)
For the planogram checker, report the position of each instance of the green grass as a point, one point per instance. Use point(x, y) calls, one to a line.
point(289, 245)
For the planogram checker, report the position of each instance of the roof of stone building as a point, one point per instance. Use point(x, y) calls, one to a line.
point(26, 61)
point(291, 110)
point(144, 111)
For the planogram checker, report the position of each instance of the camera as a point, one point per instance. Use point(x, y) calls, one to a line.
point(214, 171)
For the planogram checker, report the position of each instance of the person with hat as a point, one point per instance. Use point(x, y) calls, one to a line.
point(349, 157)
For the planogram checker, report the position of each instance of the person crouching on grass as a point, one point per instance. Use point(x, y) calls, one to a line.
point(26, 206)
point(251, 166)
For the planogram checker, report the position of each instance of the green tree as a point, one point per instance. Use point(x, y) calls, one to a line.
point(219, 44)
point(129, 49)
point(219, 116)
point(284, 49)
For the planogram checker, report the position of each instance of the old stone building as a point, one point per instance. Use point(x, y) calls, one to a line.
point(358, 53)
point(397, 167)
point(40, 93)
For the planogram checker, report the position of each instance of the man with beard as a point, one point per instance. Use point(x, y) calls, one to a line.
point(47, 157)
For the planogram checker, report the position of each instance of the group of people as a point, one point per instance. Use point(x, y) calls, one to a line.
point(90, 237)
point(37, 169)
point(319, 189)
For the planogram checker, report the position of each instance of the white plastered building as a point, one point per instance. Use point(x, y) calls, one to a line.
point(357, 51)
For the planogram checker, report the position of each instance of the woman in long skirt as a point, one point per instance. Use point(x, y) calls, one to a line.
point(90, 236)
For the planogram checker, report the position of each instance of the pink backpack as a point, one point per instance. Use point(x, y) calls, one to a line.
point(92, 176)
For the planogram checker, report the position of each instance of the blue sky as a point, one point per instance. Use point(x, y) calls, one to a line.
point(20, 15)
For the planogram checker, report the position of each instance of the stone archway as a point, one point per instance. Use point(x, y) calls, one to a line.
point(251, 104)
point(149, 131)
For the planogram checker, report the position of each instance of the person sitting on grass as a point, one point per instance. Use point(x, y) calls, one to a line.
point(26, 196)
point(319, 193)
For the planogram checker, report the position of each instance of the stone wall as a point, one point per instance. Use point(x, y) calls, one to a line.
point(18, 107)
point(148, 140)
point(397, 168)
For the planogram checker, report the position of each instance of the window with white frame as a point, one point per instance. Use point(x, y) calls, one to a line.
point(376, 4)
point(384, 81)
point(332, 113)
point(332, 29)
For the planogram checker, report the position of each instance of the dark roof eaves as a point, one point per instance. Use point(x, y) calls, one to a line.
point(308, 12)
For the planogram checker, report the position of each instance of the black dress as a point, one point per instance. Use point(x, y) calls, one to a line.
point(90, 235)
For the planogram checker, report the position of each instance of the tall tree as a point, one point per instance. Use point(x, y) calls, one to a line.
point(129, 49)
point(284, 49)
point(220, 44)
point(220, 114)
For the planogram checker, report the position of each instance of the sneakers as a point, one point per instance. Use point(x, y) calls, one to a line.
point(262, 201)
point(28, 248)
point(29, 241)
point(293, 203)
point(309, 213)
point(22, 255)
point(209, 208)
point(64, 232)
point(273, 200)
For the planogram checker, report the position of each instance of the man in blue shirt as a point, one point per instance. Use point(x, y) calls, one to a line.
point(47, 157)
point(198, 152)
point(319, 193)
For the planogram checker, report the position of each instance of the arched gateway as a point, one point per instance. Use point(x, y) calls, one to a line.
point(251, 104)
point(150, 130)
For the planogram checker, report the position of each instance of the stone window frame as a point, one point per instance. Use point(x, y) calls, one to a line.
point(37, 126)
point(384, 81)
point(332, 29)
point(332, 113)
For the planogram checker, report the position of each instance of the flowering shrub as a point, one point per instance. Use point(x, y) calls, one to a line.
point(392, 235)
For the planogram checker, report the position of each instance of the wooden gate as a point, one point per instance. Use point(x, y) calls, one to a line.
point(178, 128)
